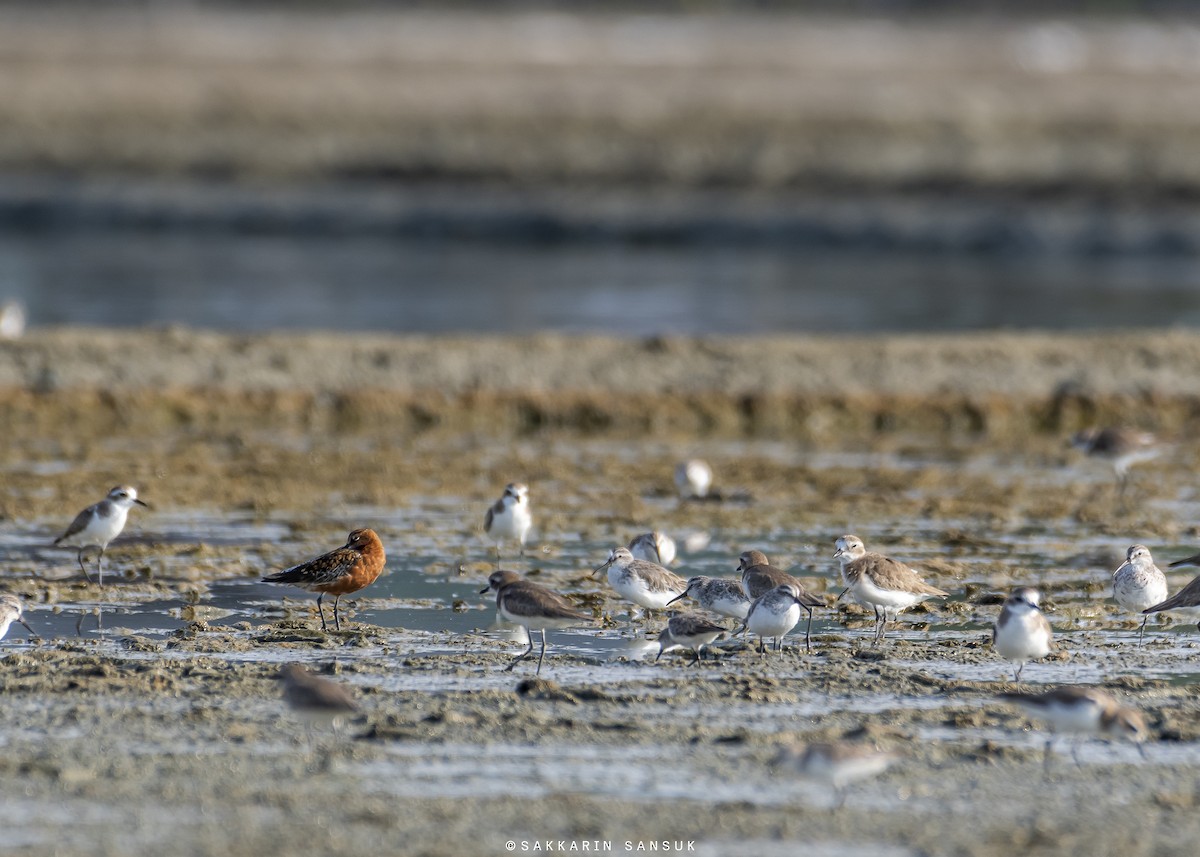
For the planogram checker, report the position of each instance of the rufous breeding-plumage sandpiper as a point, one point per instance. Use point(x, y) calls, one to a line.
point(1021, 632)
point(99, 524)
point(760, 577)
point(646, 584)
point(509, 518)
point(533, 607)
point(353, 566)
point(887, 585)
point(1139, 584)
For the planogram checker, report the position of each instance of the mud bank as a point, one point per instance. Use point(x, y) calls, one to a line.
point(158, 725)
point(816, 388)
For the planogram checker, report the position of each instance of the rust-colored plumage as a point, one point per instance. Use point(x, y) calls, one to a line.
point(354, 566)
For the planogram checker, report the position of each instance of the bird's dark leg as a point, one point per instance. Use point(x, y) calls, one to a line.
point(337, 624)
point(82, 567)
point(321, 610)
point(1020, 666)
point(100, 565)
point(542, 656)
point(524, 654)
point(808, 632)
point(1142, 635)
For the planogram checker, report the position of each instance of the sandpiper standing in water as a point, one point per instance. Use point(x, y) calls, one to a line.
point(688, 631)
point(1022, 632)
point(718, 595)
point(99, 524)
point(646, 584)
point(760, 577)
point(509, 518)
point(533, 607)
point(887, 585)
point(1139, 584)
point(353, 566)
point(11, 609)
point(774, 613)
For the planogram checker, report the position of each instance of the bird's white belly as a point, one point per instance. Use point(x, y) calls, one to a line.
point(768, 623)
point(1020, 640)
point(634, 588)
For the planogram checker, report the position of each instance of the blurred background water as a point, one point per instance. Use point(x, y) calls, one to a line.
point(709, 168)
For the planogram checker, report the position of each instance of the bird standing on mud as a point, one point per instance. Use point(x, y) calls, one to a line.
point(353, 566)
point(99, 524)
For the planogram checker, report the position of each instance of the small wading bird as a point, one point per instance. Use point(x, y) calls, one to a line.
point(351, 567)
point(11, 609)
point(760, 577)
point(718, 595)
point(509, 518)
point(533, 607)
point(99, 524)
point(653, 547)
point(773, 614)
point(1081, 710)
point(693, 478)
point(688, 631)
point(835, 764)
point(316, 700)
point(1186, 600)
point(1022, 633)
point(1122, 447)
point(887, 585)
point(646, 584)
point(1139, 584)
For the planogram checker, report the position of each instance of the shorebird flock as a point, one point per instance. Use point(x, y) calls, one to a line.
point(762, 601)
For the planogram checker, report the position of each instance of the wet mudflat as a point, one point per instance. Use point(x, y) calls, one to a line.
point(160, 724)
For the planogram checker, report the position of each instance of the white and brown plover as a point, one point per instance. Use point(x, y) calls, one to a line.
point(99, 524)
point(509, 518)
point(1139, 583)
point(533, 607)
point(1022, 633)
point(886, 584)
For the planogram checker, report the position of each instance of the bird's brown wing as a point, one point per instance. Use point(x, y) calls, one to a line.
point(322, 570)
